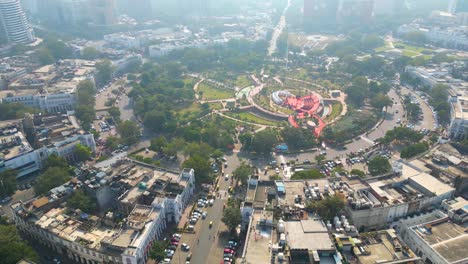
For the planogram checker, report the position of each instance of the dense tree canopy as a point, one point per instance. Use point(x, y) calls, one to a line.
point(297, 138)
point(202, 168)
point(379, 165)
point(328, 207)
point(243, 172)
point(105, 71)
point(264, 141)
point(51, 178)
point(12, 247)
point(413, 150)
point(129, 132)
point(10, 111)
point(82, 152)
point(85, 110)
point(232, 218)
point(307, 175)
point(80, 200)
point(7, 183)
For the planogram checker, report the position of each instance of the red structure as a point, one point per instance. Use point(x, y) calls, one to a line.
point(307, 106)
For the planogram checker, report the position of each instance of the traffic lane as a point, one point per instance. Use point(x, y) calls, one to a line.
point(428, 121)
point(393, 114)
point(206, 236)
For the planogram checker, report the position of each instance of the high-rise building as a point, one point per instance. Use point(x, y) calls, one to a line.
point(458, 6)
point(105, 11)
point(14, 24)
point(355, 11)
point(388, 7)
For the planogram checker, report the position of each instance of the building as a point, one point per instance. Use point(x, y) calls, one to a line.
point(104, 12)
point(450, 37)
point(16, 152)
point(57, 134)
point(50, 88)
point(26, 144)
point(309, 240)
point(14, 25)
point(457, 209)
point(146, 197)
point(355, 11)
point(376, 203)
point(458, 6)
point(459, 117)
point(438, 241)
point(388, 7)
point(378, 247)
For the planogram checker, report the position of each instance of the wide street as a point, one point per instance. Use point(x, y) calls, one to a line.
point(428, 121)
point(205, 243)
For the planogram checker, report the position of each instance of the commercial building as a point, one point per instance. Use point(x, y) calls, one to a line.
point(449, 37)
point(16, 152)
point(143, 202)
point(458, 6)
point(376, 203)
point(459, 116)
point(438, 241)
point(50, 88)
point(104, 12)
point(26, 144)
point(14, 27)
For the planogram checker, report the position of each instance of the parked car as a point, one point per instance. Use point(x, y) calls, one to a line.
point(185, 247)
point(5, 200)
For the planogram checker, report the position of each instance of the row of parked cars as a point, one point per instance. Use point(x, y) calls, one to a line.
point(171, 249)
point(230, 251)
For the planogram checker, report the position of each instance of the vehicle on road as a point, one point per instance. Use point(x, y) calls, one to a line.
point(190, 228)
point(185, 247)
point(211, 224)
point(5, 200)
point(204, 214)
point(226, 177)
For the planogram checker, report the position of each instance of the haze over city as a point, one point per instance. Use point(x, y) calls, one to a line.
point(233, 131)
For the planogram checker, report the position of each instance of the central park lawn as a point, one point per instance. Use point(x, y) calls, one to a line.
point(248, 117)
point(211, 93)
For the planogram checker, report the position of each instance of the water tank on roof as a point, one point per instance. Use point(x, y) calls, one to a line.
point(281, 226)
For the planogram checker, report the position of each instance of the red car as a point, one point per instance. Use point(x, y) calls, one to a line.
point(229, 251)
point(175, 243)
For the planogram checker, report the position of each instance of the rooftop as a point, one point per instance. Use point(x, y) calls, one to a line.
point(382, 246)
point(446, 238)
point(12, 141)
point(259, 241)
point(311, 235)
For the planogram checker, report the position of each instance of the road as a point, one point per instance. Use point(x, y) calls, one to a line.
point(205, 244)
point(429, 120)
point(278, 30)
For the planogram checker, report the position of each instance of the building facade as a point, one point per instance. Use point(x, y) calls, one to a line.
point(14, 24)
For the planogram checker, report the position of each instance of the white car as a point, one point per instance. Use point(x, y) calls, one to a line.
point(204, 215)
point(185, 247)
point(226, 177)
point(277, 171)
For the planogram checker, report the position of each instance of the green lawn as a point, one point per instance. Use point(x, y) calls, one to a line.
point(215, 106)
point(409, 53)
point(242, 81)
point(248, 117)
point(336, 111)
point(211, 93)
point(189, 111)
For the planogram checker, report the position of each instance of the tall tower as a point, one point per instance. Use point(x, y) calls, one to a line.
point(105, 11)
point(14, 25)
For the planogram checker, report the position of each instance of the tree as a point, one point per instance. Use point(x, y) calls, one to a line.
point(79, 200)
point(10, 111)
point(7, 182)
point(84, 110)
point(202, 168)
point(379, 165)
point(82, 152)
point(307, 175)
point(129, 132)
point(157, 144)
point(243, 172)
point(357, 172)
point(319, 158)
point(44, 56)
point(157, 251)
point(298, 138)
point(246, 140)
point(264, 141)
point(90, 53)
point(55, 161)
point(12, 247)
point(416, 37)
point(356, 95)
point(112, 142)
point(380, 101)
point(327, 208)
point(105, 70)
point(51, 178)
point(413, 150)
point(202, 149)
point(115, 113)
point(232, 218)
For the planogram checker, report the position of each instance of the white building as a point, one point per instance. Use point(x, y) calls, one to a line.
point(459, 117)
point(14, 25)
point(450, 37)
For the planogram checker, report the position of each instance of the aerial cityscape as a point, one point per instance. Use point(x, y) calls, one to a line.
point(233, 131)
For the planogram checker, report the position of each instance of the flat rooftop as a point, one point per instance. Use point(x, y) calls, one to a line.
point(383, 246)
point(311, 235)
point(12, 141)
point(447, 238)
point(259, 241)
